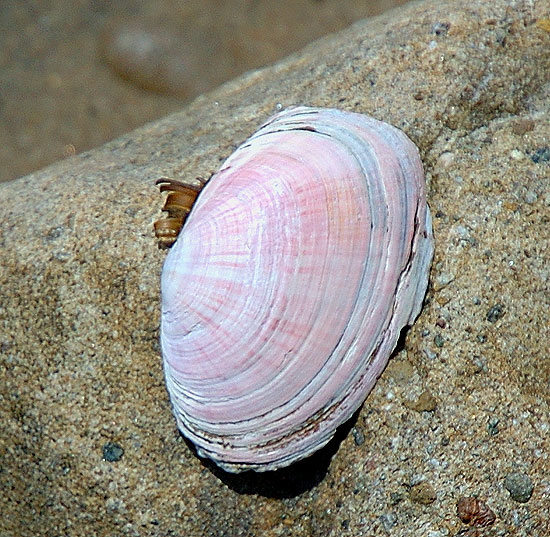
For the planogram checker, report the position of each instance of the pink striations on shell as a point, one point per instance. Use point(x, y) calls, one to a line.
point(286, 291)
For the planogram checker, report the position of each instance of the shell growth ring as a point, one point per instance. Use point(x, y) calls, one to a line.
point(286, 290)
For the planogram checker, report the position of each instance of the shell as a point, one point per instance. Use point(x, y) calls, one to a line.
point(287, 288)
point(179, 201)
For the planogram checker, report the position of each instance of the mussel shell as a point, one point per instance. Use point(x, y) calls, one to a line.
point(286, 291)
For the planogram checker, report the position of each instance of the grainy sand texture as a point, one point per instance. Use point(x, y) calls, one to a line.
point(88, 442)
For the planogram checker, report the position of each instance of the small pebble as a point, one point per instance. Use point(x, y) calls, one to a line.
point(358, 436)
point(396, 497)
point(542, 154)
point(495, 313)
point(521, 126)
point(440, 28)
point(474, 512)
point(55, 233)
point(444, 279)
point(423, 493)
point(492, 426)
point(438, 340)
point(112, 452)
point(430, 354)
point(462, 232)
point(400, 371)
point(543, 24)
point(480, 364)
point(425, 403)
point(520, 486)
point(445, 160)
point(389, 520)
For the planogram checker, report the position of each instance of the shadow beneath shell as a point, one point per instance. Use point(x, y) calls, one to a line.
point(287, 482)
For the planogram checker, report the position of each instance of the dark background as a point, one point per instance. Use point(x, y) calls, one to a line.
point(74, 75)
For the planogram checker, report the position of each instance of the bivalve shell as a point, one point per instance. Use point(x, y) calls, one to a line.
point(287, 288)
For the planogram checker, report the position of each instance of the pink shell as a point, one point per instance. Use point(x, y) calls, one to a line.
point(285, 293)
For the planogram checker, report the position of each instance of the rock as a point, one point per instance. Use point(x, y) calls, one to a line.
point(495, 313)
point(423, 493)
point(425, 403)
point(358, 436)
point(112, 452)
point(401, 371)
point(520, 486)
point(475, 512)
point(79, 305)
point(167, 56)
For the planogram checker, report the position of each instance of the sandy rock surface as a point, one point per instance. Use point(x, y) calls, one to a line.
point(88, 443)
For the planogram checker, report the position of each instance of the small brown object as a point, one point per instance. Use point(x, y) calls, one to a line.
point(522, 126)
point(178, 203)
point(474, 512)
point(426, 402)
point(423, 493)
